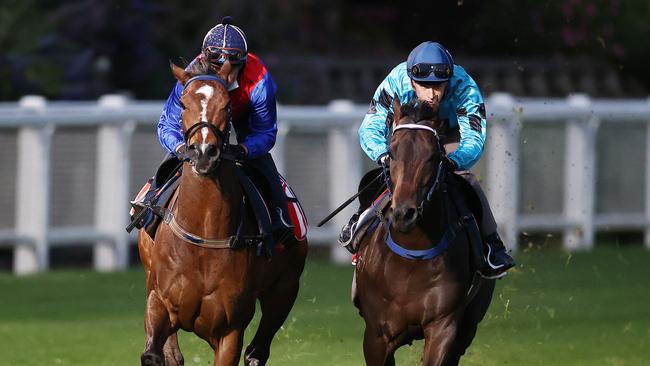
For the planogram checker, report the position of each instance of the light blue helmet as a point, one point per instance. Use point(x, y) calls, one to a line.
point(430, 62)
point(225, 42)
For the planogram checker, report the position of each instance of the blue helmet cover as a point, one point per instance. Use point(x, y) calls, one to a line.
point(430, 62)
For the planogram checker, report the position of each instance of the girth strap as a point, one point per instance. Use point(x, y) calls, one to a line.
point(231, 242)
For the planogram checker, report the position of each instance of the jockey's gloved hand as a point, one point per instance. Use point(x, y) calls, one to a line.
point(181, 152)
point(384, 160)
point(238, 151)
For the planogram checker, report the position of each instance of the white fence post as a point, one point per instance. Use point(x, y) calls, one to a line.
point(112, 182)
point(344, 174)
point(32, 192)
point(579, 175)
point(503, 168)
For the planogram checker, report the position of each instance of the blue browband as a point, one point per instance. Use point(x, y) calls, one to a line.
point(205, 77)
point(423, 254)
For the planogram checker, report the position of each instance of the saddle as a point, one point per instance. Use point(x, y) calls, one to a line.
point(156, 196)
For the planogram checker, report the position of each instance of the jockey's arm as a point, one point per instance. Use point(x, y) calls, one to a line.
point(263, 119)
point(472, 123)
point(373, 132)
point(169, 126)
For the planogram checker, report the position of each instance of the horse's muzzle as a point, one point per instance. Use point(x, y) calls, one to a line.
point(404, 217)
point(204, 157)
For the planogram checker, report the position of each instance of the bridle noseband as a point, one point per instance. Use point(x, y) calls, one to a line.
point(224, 136)
point(440, 173)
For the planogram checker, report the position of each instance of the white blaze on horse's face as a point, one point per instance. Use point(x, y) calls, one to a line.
point(207, 91)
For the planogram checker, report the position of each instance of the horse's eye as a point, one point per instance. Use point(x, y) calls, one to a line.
point(182, 105)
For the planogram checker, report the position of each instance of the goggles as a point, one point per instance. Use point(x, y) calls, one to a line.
point(219, 55)
point(422, 70)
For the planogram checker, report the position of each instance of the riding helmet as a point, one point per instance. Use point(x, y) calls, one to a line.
point(430, 62)
point(225, 42)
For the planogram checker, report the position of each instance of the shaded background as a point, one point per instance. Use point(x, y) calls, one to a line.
point(319, 51)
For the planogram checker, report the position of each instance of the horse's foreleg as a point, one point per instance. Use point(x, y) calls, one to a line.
point(473, 314)
point(157, 328)
point(375, 349)
point(227, 349)
point(276, 303)
point(172, 351)
point(438, 338)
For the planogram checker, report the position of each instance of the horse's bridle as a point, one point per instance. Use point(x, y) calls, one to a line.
point(223, 135)
point(440, 173)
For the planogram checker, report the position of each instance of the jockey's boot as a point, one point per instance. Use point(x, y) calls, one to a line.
point(497, 260)
point(345, 237)
point(281, 229)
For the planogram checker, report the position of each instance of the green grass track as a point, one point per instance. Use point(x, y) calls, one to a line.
point(556, 308)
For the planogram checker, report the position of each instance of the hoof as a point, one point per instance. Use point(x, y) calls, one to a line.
point(149, 359)
point(255, 356)
point(252, 361)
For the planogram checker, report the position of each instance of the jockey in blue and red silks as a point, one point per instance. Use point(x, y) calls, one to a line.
point(252, 97)
point(430, 76)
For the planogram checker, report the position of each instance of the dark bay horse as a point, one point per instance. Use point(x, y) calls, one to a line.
point(413, 273)
point(209, 288)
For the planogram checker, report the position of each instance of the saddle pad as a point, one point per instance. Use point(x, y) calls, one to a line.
point(296, 213)
point(298, 218)
point(140, 196)
point(368, 220)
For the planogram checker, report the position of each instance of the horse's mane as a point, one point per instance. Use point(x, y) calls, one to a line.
point(424, 114)
point(200, 66)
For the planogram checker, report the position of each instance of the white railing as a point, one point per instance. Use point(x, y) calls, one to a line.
point(116, 119)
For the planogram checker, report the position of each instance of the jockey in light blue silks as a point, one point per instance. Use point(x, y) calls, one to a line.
point(252, 99)
point(430, 76)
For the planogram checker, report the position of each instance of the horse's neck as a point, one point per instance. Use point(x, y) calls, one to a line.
point(209, 206)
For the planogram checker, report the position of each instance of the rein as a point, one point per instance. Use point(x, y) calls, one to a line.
point(231, 242)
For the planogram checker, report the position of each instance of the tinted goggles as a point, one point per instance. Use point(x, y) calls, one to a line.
point(422, 70)
point(221, 55)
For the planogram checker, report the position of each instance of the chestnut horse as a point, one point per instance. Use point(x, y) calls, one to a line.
point(413, 273)
point(211, 288)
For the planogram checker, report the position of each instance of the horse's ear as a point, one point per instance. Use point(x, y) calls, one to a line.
point(179, 73)
point(397, 110)
point(225, 70)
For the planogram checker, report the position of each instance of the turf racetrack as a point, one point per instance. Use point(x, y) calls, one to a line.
point(554, 309)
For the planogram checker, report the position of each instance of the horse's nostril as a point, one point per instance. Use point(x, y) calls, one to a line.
point(405, 214)
point(409, 215)
point(211, 150)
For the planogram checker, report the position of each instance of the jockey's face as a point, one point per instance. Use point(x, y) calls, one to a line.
point(430, 93)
